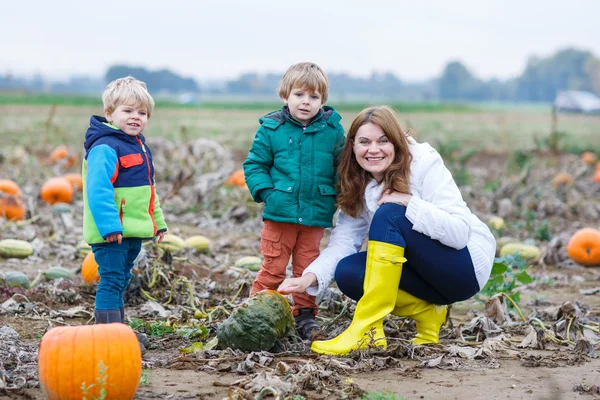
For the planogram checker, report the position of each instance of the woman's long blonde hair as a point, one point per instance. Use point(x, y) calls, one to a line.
point(353, 179)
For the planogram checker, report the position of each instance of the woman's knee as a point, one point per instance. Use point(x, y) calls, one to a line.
point(388, 224)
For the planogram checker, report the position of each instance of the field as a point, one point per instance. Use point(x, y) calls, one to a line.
point(531, 335)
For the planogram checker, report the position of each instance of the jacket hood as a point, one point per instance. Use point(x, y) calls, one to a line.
point(98, 129)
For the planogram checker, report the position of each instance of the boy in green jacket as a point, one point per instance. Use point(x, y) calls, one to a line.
point(292, 167)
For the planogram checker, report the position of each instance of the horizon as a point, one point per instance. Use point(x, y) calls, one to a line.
point(210, 42)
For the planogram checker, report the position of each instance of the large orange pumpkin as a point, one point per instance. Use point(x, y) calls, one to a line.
point(103, 357)
point(10, 187)
point(89, 269)
point(584, 247)
point(11, 207)
point(58, 153)
point(237, 178)
point(57, 190)
point(75, 180)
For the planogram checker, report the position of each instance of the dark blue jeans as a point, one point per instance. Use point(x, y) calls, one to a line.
point(433, 271)
point(114, 266)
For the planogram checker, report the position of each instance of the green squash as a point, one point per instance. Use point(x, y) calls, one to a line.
point(251, 263)
point(257, 323)
point(16, 279)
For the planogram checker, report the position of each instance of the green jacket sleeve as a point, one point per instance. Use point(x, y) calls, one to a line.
point(257, 167)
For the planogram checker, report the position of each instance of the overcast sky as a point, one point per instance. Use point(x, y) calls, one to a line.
point(223, 38)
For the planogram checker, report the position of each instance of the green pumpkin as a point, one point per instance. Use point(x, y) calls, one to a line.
point(16, 279)
point(257, 323)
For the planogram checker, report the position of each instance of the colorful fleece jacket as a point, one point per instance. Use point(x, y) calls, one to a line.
point(118, 185)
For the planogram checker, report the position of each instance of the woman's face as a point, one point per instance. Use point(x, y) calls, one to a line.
point(373, 151)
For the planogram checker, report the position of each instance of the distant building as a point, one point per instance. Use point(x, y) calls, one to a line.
point(577, 101)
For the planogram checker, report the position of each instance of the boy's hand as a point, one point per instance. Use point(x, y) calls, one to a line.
point(117, 237)
point(160, 236)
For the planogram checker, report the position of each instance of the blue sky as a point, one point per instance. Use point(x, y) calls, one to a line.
point(223, 38)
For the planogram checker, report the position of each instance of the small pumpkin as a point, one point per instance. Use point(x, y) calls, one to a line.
point(584, 247)
point(562, 179)
point(83, 249)
point(526, 251)
point(251, 263)
point(172, 242)
point(257, 323)
point(16, 279)
point(90, 361)
point(71, 161)
point(15, 248)
point(9, 187)
point(56, 190)
point(75, 180)
point(89, 269)
point(199, 243)
point(11, 207)
point(589, 158)
point(237, 178)
point(58, 154)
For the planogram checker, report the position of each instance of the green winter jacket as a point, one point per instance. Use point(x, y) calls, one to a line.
point(292, 168)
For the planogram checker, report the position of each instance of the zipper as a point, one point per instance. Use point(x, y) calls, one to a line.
point(152, 193)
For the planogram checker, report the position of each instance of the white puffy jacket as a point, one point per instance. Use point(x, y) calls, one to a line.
point(436, 209)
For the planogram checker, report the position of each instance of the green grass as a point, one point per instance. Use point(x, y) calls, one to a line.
point(33, 121)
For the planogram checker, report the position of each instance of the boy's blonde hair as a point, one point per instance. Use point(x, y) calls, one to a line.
point(304, 75)
point(127, 90)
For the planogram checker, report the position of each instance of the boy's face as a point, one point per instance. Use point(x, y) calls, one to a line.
point(303, 104)
point(129, 118)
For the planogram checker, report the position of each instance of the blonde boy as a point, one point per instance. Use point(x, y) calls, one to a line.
point(121, 207)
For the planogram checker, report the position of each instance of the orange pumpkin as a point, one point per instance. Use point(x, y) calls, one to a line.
point(89, 269)
point(589, 158)
point(75, 180)
point(58, 153)
point(597, 176)
point(10, 187)
point(11, 207)
point(562, 179)
point(584, 247)
point(237, 178)
point(71, 161)
point(76, 362)
point(56, 190)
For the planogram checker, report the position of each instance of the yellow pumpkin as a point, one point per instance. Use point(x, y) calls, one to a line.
point(76, 362)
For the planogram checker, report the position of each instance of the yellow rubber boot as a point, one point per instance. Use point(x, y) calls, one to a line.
point(382, 276)
point(428, 317)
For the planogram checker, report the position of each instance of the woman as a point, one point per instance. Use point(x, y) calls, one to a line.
point(425, 248)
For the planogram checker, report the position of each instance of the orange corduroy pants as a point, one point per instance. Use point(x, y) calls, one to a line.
point(279, 241)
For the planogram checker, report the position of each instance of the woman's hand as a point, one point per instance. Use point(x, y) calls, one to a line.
point(395, 197)
point(298, 285)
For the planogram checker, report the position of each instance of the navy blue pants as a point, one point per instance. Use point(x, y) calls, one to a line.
point(114, 266)
point(433, 271)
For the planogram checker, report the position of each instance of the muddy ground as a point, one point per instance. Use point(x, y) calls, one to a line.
point(485, 352)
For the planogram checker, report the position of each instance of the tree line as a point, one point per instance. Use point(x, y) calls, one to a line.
point(569, 68)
